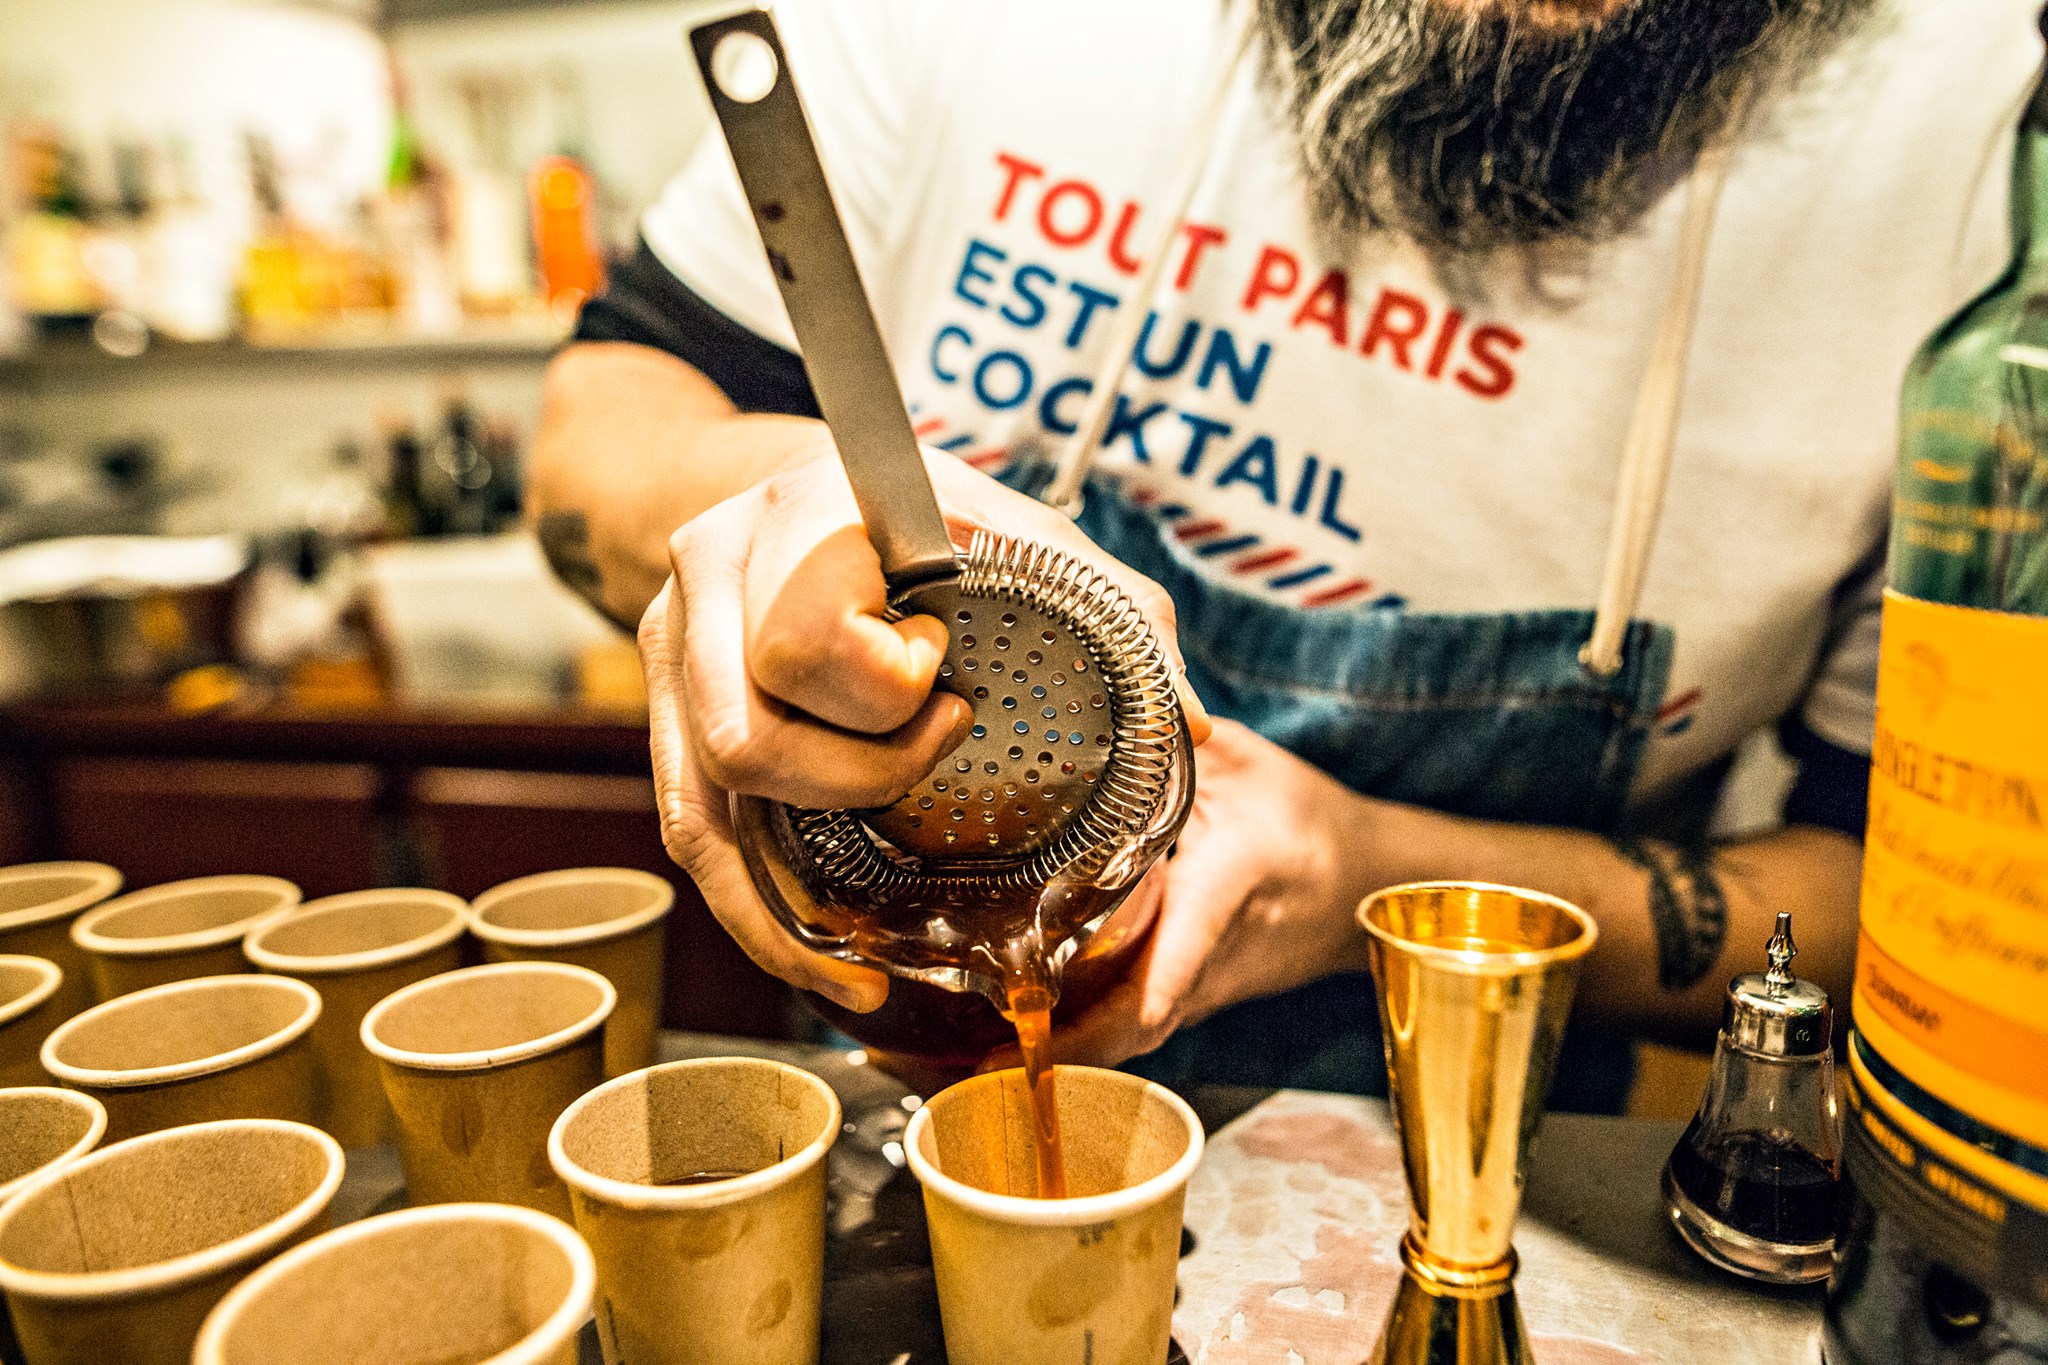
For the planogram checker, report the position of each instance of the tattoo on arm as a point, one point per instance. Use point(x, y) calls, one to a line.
point(565, 541)
point(1688, 911)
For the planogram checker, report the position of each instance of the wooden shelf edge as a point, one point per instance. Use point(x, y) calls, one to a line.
point(566, 740)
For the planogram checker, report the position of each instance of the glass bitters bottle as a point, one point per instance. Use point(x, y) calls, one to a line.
point(1751, 1185)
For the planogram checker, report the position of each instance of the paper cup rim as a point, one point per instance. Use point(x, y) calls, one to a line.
point(558, 1327)
point(664, 901)
point(85, 933)
point(1027, 1211)
point(486, 1059)
point(629, 1194)
point(95, 1129)
point(368, 959)
point(127, 1078)
point(94, 1286)
point(1467, 962)
point(25, 1004)
point(107, 881)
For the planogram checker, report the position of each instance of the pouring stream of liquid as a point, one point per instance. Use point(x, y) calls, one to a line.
point(1031, 1011)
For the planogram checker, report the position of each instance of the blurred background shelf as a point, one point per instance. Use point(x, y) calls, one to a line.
point(79, 356)
point(390, 205)
point(387, 211)
point(563, 739)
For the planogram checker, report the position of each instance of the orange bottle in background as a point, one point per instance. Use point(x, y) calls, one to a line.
point(565, 240)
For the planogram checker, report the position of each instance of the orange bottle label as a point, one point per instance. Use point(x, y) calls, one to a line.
point(1952, 968)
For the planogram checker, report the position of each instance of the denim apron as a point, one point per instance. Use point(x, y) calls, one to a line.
point(1492, 716)
point(1539, 717)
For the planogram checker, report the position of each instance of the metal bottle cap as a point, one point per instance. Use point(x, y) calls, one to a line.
point(1774, 1012)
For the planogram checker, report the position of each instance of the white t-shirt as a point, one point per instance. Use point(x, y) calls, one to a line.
point(1330, 429)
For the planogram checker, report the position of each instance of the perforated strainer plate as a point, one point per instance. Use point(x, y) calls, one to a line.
point(1076, 729)
point(1043, 727)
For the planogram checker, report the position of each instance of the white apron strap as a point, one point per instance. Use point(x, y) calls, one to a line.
point(1653, 430)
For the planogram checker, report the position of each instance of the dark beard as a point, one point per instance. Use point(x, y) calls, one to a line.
point(1476, 124)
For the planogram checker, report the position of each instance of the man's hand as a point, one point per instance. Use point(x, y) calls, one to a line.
point(771, 671)
point(1261, 894)
point(1258, 897)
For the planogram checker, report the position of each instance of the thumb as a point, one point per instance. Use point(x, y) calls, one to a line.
point(1200, 726)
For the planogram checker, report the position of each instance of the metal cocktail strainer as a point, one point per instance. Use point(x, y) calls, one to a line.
point(1077, 773)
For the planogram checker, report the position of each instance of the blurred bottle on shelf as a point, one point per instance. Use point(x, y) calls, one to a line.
point(188, 259)
point(464, 467)
point(490, 243)
point(14, 322)
point(405, 512)
point(344, 508)
point(567, 245)
point(492, 253)
point(462, 478)
point(297, 277)
point(565, 233)
point(306, 626)
point(113, 238)
point(502, 496)
point(14, 332)
point(413, 218)
point(489, 235)
point(280, 278)
point(366, 288)
point(46, 241)
point(113, 253)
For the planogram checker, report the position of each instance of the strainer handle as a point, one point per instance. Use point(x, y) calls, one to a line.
point(740, 56)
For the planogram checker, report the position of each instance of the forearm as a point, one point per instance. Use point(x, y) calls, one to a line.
point(633, 443)
point(1660, 968)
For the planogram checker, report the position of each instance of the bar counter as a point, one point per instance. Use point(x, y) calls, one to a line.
point(1290, 1253)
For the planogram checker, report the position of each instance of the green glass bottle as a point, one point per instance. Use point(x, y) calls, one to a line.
point(1942, 1248)
point(1970, 517)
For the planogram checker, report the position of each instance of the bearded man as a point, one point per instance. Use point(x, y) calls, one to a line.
point(1377, 470)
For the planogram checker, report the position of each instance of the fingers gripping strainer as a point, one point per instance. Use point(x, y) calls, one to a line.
point(1076, 775)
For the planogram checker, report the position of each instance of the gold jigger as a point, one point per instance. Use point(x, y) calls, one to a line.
point(1475, 982)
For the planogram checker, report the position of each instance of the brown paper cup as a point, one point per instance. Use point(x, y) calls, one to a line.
point(176, 931)
point(478, 1064)
point(711, 1271)
point(29, 987)
point(357, 949)
point(38, 902)
point(613, 920)
point(119, 1255)
point(220, 1047)
point(42, 1128)
point(1086, 1278)
point(484, 1284)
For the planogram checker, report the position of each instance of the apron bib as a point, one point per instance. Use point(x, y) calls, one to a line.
point(1490, 715)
